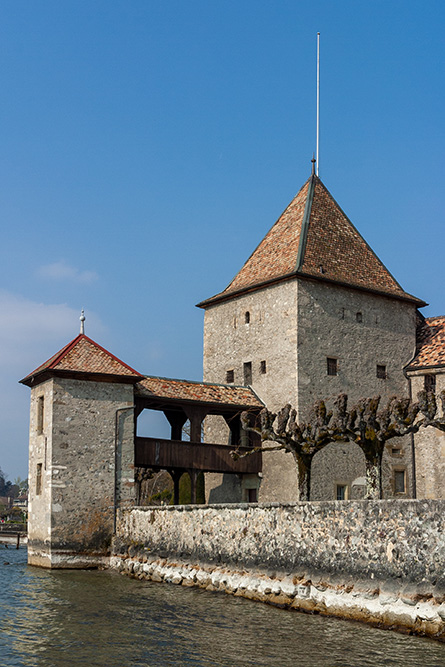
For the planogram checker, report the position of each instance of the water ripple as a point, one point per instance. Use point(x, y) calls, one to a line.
point(89, 618)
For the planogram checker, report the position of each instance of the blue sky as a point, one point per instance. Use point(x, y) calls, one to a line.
point(147, 146)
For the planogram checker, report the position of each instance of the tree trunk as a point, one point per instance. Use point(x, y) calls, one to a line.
point(304, 477)
point(374, 477)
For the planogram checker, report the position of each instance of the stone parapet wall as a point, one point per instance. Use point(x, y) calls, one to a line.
point(382, 562)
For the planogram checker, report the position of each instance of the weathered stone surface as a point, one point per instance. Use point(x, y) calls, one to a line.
point(71, 519)
point(307, 564)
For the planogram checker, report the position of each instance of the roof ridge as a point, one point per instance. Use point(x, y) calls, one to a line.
point(305, 223)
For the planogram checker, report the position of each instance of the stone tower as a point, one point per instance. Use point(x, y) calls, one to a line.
point(80, 455)
point(312, 313)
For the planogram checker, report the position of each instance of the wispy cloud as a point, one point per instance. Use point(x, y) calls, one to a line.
point(30, 333)
point(61, 270)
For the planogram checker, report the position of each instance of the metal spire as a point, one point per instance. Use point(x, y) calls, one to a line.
point(318, 100)
point(82, 322)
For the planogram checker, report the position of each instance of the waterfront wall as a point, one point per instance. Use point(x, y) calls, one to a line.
point(381, 561)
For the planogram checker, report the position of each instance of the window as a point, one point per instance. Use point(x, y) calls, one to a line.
point(381, 372)
point(40, 410)
point(396, 451)
point(248, 372)
point(342, 492)
point(230, 376)
point(399, 481)
point(252, 496)
point(247, 317)
point(263, 367)
point(359, 317)
point(39, 479)
point(430, 383)
point(331, 366)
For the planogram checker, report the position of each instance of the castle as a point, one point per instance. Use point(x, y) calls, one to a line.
point(312, 313)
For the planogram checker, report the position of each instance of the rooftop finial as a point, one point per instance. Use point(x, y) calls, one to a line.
point(313, 164)
point(82, 322)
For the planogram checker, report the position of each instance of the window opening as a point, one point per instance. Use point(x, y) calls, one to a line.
point(430, 383)
point(396, 451)
point(399, 481)
point(381, 372)
point(262, 367)
point(252, 496)
point(342, 492)
point(359, 317)
point(39, 479)
point(248, 372)
point(247, 317)
point(40, 411)
point(230, 376)
point(331, 366)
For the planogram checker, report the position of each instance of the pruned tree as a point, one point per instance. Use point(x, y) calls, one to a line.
point(371, 429)
point(428, 408)
point(302, 440)
point(363, 424)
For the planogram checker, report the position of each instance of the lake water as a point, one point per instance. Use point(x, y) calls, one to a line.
point(89, 618)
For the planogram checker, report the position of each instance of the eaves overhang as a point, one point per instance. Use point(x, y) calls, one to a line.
point(227, 296)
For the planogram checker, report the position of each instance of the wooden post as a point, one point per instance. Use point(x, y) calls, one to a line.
point(18, 540)
point(193, 474)
point(176, 476)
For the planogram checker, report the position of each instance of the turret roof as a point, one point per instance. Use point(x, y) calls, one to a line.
point(83, 355)
point(313, 238)
point(430, 352)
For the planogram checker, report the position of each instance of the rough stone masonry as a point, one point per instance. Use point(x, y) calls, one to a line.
point(381, 562)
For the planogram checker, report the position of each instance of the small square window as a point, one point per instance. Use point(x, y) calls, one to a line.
point(342, 491)
point(230, 376)
point(399, 481)
point(381, 372)
point(332, 366)
point(430, 383)
point(262, 367)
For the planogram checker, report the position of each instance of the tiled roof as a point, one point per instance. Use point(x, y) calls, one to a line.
point(83, 355)
point(206, 392)
point(430, 344)
point(314, 238)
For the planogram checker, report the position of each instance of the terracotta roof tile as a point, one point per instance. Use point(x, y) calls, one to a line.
point(197, 391)
point(276, 255)
point(430, 344)
point(314, 238)
point(83, 355)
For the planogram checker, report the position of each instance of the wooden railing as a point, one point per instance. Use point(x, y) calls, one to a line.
point(159, 454)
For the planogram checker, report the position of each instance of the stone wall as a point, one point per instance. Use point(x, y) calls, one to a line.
point(85, 453)
point(294, 327)
point(381, 561)
point(229, 342)
point(429, 444)
point(359, 330)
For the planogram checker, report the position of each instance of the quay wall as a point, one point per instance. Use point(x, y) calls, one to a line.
point(382, 562)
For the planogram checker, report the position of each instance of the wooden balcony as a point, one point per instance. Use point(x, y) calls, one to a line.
point(161, 454)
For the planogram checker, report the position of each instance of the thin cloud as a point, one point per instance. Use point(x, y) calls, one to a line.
point(62, 271)
point(30, 333)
